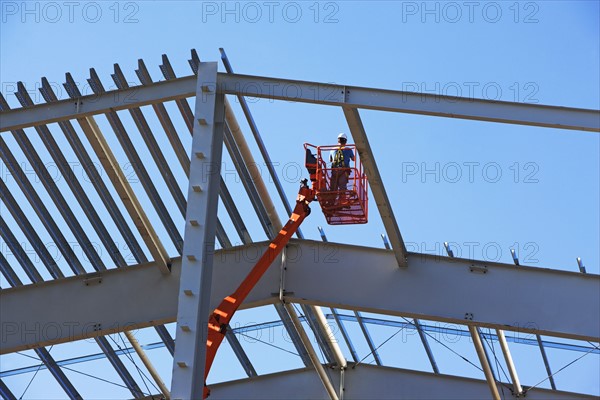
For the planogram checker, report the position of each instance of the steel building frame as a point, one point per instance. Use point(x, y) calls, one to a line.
point(186, 285)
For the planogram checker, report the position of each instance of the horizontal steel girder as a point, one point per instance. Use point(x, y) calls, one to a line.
point(500, 296)
point(369, 382)
point(308, 92)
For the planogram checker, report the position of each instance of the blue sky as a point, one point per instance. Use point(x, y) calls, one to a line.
point(495, 185)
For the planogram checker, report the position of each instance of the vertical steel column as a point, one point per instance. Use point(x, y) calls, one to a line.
point(484, 362)
point(199, 242)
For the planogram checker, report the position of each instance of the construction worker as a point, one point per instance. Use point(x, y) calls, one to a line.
point(340, 165)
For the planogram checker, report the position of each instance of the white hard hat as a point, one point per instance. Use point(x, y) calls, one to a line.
point(342, 136)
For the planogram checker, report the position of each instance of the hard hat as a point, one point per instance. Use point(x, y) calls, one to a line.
point(342, 136)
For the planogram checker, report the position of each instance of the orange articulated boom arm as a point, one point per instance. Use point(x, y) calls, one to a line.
point(220, 318)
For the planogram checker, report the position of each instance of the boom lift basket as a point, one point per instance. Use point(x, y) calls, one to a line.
point(340, 206)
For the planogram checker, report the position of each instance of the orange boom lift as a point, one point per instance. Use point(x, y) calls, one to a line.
point(339, 206)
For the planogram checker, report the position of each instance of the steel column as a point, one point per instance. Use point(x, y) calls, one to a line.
point(200, 228)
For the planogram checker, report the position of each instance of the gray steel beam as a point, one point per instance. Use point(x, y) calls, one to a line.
point(433, 292)
point(5, 392)
point(248, 183)
point(61, 203)
point(260, 143)
point(45, 356)
point(546, 362)
point(58, 374)
point(188, 117)
point(370, 382)
point(410, 102)
point(311, 92)
point(182, 104)
point(61, 162)
point(368, 338)
point(286, 320)
point(484, 361)
point(345, 335)
point(134, 158)
point(18, 251)
point(90, 168)
point(239, 352)
point(8, 272)
point(38, 206)
point(120, 368)
point(29, 231)
point(148, 136)
point(201, 220)
point(425, 342)
point(165, 120)
point(311, 319)
point(376, 184)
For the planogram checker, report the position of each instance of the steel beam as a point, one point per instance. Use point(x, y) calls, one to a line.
point(130, 150)
point(30, 233)
point(310, 92)
point(546, 362)
point(376, 183)
point(84, 201)
point(517, 388)
point(125, 192)
point(323, 377)
point(200, 228)
point(58, 374)
point(483, 359)
point(148, 136)
point(38, 205)
point(260, 143)
point(410, 102)
point(434, 291)
point(5, 392)
point(118, 365)
point(89, 167)
point(370, 382)
point(367, 336)
point(19, 253)
point(165, 120)
point(345, 335)
point(425, 342)
point(8, 272)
